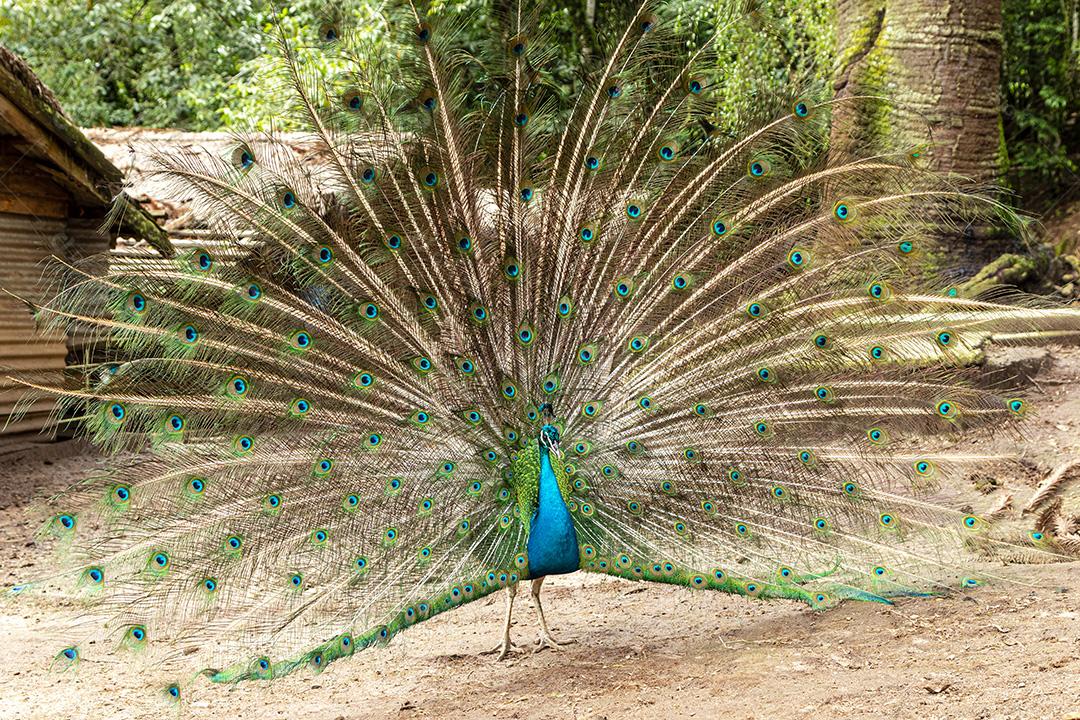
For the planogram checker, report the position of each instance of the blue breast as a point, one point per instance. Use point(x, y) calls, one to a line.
point(552, 544)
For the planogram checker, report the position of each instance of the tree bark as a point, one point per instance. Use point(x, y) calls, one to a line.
point(936, 65)
point(939, 64)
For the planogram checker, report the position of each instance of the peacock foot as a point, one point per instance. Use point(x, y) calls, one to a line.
point(546, 642)
point(503, 650)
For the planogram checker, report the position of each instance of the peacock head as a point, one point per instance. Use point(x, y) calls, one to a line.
point(549, 438)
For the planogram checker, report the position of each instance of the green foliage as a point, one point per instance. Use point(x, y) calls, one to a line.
point(205, 65)
point(1041, 89)
point(133, 62)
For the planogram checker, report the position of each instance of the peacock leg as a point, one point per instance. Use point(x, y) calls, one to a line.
point(506, 646)
point(545, 640)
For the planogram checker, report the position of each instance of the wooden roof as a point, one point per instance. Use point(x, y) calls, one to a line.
point(37, 130)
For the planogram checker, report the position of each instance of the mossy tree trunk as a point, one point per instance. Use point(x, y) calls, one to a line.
point(939, 61)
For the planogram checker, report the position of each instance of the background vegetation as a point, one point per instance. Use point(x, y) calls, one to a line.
point(198, 64)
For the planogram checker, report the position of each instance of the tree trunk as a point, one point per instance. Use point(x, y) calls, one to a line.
point(938, 63)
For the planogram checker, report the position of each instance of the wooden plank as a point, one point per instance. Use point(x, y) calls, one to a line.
point(36, 206)
point(45, 145)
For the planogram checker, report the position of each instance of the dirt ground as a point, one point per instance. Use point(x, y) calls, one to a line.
point(636, 650)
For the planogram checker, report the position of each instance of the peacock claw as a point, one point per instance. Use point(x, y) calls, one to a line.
point(504, 650)
point(546, 642)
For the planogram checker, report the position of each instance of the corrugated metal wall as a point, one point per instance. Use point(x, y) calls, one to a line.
point(25, 243)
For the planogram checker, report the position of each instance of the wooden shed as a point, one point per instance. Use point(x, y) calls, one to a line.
point(56, 190)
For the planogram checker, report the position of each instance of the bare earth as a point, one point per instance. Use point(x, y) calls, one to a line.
point(637, 650)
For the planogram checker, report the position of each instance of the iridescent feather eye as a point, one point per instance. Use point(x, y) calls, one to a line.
point(668, 151)
point(116, 413)
point(843, 211)
point(879, 291)
point(634, 209)
point(693, 85)
point(422, 365)
point(517, 45)
point(428, 302)
point(120, 496)
point(924, 468)
point(136, 303)
point(201, 260)
point(368, 311)
point(243, 158)
point(188, 334)
point(428, 101)
point(511, 268)
point(352, 100)
point(525, 335)
point(429, 178)
point(877, 436)
point(946, 409)
point(350, 502)
point(638, 343)
point(588, 233)
point(565, 307)
point(478, 314)
point(802, 109)
point(682, 281)
point(509, 389)
point(758, 168)
point(196, 486)
point(252, 292)
point(1017, 406)
point(587, 353)
point(329, 32)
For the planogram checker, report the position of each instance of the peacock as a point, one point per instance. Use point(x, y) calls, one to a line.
point(492, 332)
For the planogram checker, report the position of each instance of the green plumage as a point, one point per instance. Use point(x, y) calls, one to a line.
point(338, 402)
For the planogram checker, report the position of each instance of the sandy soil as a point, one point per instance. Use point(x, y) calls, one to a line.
point(637, 650)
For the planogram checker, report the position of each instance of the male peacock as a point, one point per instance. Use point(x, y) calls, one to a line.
point(492, 336)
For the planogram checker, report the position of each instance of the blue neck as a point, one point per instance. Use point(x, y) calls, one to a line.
point(552, 544)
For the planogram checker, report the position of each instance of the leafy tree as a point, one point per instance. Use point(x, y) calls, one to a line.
point(1041, 86)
